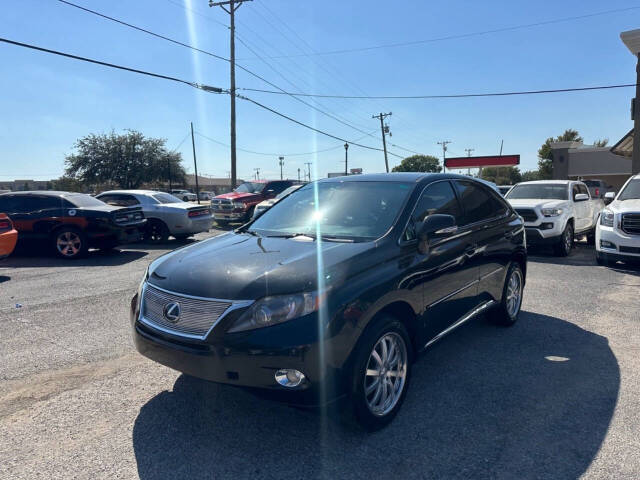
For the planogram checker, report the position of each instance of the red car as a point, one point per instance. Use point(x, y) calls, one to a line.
point(8, 236)
point(239, 204)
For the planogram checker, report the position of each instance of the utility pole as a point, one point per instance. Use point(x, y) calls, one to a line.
point(281, 165)
point(469, 151)
point(346, 158)
point(195, 164)
point(298, 173)
point(385, 131)
point(257, 170)
point(232, 5)
point(444, 144)
point(308, 164)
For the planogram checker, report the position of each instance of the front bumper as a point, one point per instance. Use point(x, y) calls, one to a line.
point(250, 359)
point(229, 214)
point(623, 245)
point(536, 236)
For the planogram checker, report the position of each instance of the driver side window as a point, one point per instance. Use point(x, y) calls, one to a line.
point(438, 198)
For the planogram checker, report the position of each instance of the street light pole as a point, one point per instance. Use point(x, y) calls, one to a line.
point(281, 165)
point(346, 158)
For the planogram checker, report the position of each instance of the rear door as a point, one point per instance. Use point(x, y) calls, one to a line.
point(488, 217)
point(448, 279)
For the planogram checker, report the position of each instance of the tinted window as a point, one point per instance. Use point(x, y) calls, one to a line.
point(82, 200)
point(478, 203)
point(166, 198)
point(10, 204)
point(542, 191)
point(119, 199)
point(438, 198)
point(352, 210)
point(631, 191)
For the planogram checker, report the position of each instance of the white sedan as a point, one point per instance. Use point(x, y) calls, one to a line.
point(618, 229)
point(166, 215)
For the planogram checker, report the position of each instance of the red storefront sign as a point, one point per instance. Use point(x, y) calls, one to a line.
point(479, 162)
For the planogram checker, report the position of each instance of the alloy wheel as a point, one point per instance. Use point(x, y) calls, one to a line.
point(514, 293)
point(68, 244)
point(385, 374)
point(568, 238)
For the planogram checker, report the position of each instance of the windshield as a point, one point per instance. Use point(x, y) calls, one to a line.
point(82, 200)
point(287, 191)
point(250, 187)
point(166, 198)
point(631, 191)
point(350, 210)
point(544, 191)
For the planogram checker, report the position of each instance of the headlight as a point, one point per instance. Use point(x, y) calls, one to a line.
point(606, 218)
point(274, 310)
point(551, 212)
point(239, 205)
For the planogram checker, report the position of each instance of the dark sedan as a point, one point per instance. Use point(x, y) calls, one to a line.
point(331, 293)
point(70, 223)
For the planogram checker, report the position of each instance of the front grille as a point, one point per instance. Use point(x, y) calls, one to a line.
point(221, 204)
point(528, 214)
point(196, 318)
point(635, 250)
point(631, 223)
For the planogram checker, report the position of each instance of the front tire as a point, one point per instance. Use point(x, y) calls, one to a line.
point(156, 231)
point(506, 313)
point(381, 373)
point(564, 246)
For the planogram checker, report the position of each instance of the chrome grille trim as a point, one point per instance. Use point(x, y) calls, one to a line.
point(199, 315)
point(630, 223)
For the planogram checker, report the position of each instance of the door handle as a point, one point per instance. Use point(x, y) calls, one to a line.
point(470, 251)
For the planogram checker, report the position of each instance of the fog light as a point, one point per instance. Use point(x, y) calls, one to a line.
point(605, 244)
point(290, 378)
point(546, 226)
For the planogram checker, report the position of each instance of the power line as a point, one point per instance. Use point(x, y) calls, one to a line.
point(113, 65)
point(462, 35)
point(272, 154)
point(309, 126)
point(206, 88)
point(456, 95)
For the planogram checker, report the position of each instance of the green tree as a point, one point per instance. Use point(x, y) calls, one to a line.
point(67, 184)
point(545, 159)
point(502, 175)
point(419, 163)
point(530, 176)
point(128, 160)
point(603, 142)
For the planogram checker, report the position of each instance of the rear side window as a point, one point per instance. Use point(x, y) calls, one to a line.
point(479, 203)
point(119, 200)
point(437, 198)
point(12, 204)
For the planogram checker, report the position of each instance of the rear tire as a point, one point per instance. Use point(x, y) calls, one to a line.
point(69, 243)
point(564, 246)
point(156, 231)
point(506, 313)
point(381, 373)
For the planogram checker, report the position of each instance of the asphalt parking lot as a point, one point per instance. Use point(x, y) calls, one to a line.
point(556, 396)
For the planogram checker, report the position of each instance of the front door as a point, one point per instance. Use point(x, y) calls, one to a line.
point(448, 277)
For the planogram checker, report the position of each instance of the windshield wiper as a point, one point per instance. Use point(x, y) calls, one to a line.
point(292, 235)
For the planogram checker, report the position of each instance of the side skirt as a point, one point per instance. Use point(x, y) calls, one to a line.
point(476, 311)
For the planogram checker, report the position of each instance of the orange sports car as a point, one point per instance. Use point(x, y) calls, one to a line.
point(8, 236)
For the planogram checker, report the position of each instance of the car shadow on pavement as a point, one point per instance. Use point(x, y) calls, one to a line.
point(94, 258)
point(4, 278)
point(532, 401)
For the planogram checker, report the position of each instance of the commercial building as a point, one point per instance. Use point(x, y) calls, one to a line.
point(574, 160)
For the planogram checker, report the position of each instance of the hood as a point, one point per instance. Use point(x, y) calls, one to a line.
point(239, 266)
point(536, 202)
point(631, 205)
point(239, 195)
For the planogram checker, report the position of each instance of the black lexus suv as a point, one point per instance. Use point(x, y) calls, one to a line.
point(331, 293)
point(70, 223)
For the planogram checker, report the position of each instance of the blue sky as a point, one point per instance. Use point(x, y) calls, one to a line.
point(48, 102)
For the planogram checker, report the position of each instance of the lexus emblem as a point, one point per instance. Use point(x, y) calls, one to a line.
point(171, 312)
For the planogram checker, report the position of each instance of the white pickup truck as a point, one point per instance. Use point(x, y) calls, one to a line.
point(555, 212)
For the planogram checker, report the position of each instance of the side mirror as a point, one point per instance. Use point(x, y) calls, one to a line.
point(581, 197)
point(434, 226)
point(609, 197)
